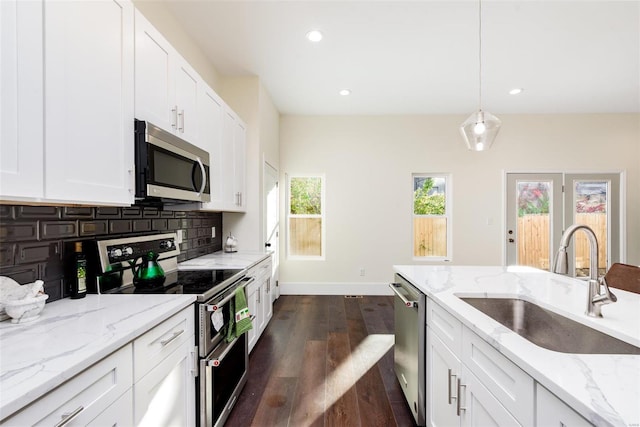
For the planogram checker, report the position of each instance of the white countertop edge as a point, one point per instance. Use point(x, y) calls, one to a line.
point(536, 361)
point(225, 260)
point(14, 397)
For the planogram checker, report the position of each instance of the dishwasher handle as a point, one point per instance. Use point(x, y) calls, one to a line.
point(406, 302)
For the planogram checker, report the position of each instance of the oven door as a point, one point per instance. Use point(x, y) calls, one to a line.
point(223, 374)
point(210, 335)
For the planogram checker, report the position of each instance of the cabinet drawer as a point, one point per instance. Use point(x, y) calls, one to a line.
point(159, 342)
point(445, 325)
point(513, 388)
point(88, 394)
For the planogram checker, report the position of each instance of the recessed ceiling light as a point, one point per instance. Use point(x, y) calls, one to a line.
point(516, 91)
point(345, 92)
point(314, 36)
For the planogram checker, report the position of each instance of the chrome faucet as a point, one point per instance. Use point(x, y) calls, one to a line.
point(595, 300)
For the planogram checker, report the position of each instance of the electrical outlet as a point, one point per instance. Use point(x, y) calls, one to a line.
point(179, 237)
point(361, 271)
point(213, 232)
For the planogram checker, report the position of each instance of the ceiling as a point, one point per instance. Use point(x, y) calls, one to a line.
point(421, 57)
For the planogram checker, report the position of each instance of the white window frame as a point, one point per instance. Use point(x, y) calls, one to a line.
point(448, 214)
point(322, 216)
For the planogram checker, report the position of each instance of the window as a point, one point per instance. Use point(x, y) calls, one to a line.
point(305, 217)
point(431, 217)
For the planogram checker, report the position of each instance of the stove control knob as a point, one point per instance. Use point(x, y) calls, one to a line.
point(128, 250)
point(116, 253)
point(166, 244)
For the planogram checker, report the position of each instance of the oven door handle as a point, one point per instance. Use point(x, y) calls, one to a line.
point(216, 306)
point(215, 361)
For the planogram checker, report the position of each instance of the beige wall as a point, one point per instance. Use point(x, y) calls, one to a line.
point(368, 162)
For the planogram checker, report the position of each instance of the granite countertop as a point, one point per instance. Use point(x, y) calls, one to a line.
point(70, 336)
point(223, 260)
point(605, 389)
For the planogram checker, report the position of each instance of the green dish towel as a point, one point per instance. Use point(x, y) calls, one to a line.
point(239, 317)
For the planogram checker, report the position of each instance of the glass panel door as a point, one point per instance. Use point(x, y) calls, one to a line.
point(593, 200)
point(534, 219)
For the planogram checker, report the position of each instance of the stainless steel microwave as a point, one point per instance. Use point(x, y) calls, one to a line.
point(169, 170)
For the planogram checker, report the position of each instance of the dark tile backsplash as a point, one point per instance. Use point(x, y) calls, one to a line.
point(33, 239)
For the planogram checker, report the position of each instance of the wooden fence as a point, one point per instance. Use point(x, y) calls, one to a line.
point(533, 240)
point(306, 236)
point(430, 236)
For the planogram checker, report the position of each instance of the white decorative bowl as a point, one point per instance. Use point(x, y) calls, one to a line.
point(25, 310)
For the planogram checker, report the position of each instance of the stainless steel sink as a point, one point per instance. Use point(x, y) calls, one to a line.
point(548, 329)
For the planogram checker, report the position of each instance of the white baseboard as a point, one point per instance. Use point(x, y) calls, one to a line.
point(289, 288)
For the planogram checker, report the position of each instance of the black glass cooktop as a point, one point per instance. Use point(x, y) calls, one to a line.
point(204, 283)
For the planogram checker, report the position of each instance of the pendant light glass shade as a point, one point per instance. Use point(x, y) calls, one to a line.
point(480, 130)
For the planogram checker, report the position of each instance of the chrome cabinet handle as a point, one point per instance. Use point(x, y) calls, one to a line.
point(181, 117)
point(174, 121)
point(459, 407)
point(451, 397)
point(204, 175)
point(406, 302)
point(67, 418)
point(173, 337)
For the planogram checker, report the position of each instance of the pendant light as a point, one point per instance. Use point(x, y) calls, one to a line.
point(481, 128)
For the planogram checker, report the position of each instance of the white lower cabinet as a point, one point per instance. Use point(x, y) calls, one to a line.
point(259, 299)
point(85, 397)
point(164, 372)
point(148, 382)
point(471, 384)
point(166, 395)
point(551, 411)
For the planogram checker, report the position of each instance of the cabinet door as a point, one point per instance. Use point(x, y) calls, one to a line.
point(89, 101)
point(227, 193)
point(211, 109)
point(21, 103)
point(481, 408)
point(166, 395)
point(267, 301)
point(255, 310)
point(154, 76)
point(443, 371)
point(120, 413)
point(551, 411)
point(187, 83)
point(239, 154)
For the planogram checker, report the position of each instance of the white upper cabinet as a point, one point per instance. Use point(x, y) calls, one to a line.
point(89, 101)
point(166, 92)
point(21, 103)
point(211, 109)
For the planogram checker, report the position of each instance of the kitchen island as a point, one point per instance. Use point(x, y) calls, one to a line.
point(602, 388)
point(69, 337)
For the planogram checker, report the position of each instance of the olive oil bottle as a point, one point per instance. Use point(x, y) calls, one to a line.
point(78, 283)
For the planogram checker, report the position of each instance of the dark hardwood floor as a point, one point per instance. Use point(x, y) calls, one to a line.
point(324, 361)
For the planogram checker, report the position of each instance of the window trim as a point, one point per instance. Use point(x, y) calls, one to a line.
point(448, 179)
point(322, 216)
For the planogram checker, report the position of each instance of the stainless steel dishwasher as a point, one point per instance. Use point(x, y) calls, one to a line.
point(410, 342)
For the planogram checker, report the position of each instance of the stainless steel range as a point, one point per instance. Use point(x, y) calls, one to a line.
point(222, 366)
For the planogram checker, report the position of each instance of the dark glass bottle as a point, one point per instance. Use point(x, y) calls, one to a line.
point(78, 283)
